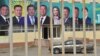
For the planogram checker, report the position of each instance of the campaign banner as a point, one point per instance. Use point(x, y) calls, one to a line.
point(89, 6)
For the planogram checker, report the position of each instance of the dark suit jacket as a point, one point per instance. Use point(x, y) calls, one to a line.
point(45, 29)
point(47, 20)
point(78, 23)
point(29, 22)
point(88, 21)
point(3, 26)
point(68, 22)
point(20, 23)
point(2, 21)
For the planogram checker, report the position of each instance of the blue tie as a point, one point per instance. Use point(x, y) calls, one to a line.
point(19, 19)
point(33, 21)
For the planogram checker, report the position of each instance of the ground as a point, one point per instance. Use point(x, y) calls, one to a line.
point(33, 51)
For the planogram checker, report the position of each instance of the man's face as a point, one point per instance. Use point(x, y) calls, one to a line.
point(85, 12)
point(66, 13)
point(42, 11)
point(31, 11)
point(55, 12)
point(4, 11)
point(18, 11)
point(76, 13)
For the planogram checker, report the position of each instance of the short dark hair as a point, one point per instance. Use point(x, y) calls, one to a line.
point(86, 9)
point(77, 8)
point(3, 6)
point(44, 6)
point(67, 8)
point(30, 6)
point(17, 6)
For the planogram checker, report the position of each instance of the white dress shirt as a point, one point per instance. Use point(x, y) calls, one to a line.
point(3, 17)
point(66, 19)
point(86, 17)
point(32, 19)
point(17, 18)
point(43, 19)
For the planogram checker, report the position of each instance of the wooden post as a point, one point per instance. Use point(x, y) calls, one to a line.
point(39, 28)
point(11, 29)
point(26, 29)
point(84, 28)
point(51, 29)
point(74, 35)
point(94, 27)
point(62, 27)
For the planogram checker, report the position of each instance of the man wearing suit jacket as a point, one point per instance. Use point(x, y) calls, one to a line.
point(78, 21)
point(31, 18)
point(67, 19)
point(45, 20)
point(4, 21)
point(18, 20)
point(87, 19)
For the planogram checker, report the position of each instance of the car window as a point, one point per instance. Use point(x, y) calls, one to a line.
point(78, 42)
point(69, 43)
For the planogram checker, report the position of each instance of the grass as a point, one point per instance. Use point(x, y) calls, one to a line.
point(3, 37)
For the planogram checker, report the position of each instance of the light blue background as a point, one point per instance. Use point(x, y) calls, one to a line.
point(79, 5)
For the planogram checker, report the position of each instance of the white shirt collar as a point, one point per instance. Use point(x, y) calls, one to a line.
point(31, 16)
point(66, 18)
point(17, 18)
point(86, 16)
point(32, 19)
point(44, 17)
point(4, 17)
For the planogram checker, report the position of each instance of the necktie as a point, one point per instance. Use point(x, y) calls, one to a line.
point(76, 21)
point(19, 19)
point(32, 20)
point(65, 20)
point(41, 20)
point(7, 20)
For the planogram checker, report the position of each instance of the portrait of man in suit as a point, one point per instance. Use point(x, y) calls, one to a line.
point(31, 18)
point(45, 20)
point(67, 18)
point(78, 21)
point(87, 18)
point(4, 21)
point(18, 19)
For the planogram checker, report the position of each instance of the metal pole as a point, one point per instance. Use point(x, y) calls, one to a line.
point(84, 29)
point(39, 28)
point(74, 36)
point(56, 30)
point(94, 27)
point(34, 31)
point(26, 29)
point(48, 31)
point(51, 28)
point(11, 29)
point(62, 27)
